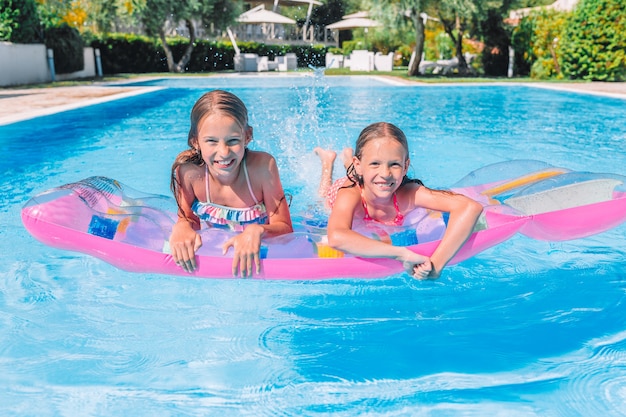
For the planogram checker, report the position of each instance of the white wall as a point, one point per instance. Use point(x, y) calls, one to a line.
point(88, 71)
point(23, 64)
point(28, 64)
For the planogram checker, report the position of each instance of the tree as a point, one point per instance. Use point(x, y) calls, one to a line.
point(327, 13)
point(593, 46)
point(103, 14)
point(456, 15)
point(547, 34)
point(55, 13)
point(406, 12)
point(157, 16)
point(19, 21)
point(496, 39)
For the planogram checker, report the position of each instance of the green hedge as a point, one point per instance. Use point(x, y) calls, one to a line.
point(122, 53)
point(67, 45)
point(594, 45)
point(588, 43)
point(128, 54)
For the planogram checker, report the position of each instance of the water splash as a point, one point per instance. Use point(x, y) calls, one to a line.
point(301, 130)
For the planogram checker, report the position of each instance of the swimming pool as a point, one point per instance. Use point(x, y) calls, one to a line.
point(526, 328)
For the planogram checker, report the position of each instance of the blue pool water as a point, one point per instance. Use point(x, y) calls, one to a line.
point(527, 328)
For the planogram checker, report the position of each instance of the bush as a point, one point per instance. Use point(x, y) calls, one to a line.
point(212, 56)
point(594, 45)
point(19, 22)
point(385, 41)
point(126, 53)
point(123, 53)
point(310, 55)
point(549, 31)
point(405, 52)
point(522, 40)
point(536, 43)
point(436, 46)
point(495, 55)
point(349, 46)
point(67, 45)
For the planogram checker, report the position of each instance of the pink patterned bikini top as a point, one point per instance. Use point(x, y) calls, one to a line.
point(397, 221)
point(332, 196)
point(230, 217)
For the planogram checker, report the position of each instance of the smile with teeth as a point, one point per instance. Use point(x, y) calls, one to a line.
point(384, 184)
point(225, 163)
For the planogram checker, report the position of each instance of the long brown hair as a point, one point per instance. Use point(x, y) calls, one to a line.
point(375, 131)
point(212, 102)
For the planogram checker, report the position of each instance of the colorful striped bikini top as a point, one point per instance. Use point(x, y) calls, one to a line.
point(230, 217)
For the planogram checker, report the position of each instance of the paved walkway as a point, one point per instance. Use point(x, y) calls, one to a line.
point(23, 104)
point(601, 88)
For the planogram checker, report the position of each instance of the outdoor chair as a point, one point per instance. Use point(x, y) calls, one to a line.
point(383, 62)
point(288, 62)
point(361, 60)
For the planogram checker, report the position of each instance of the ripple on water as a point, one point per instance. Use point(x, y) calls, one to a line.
point(595, 381)
point(28, 285)
point(122, 362)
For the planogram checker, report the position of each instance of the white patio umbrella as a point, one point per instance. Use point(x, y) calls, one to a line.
point(285, 2)
point(259, 15)
point(266, 19)
point(353, 23)
point(307, 34)
point(357, 14)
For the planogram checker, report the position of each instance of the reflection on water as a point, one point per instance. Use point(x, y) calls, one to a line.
point(526, 328)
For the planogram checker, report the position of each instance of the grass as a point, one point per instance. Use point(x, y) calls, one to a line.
point(400, 72)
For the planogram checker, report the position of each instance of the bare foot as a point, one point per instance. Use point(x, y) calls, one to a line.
point(328, 159)
point(346, 156)
point(327, 156)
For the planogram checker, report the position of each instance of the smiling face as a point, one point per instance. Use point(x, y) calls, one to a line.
point(382, 165)
point(222, 143)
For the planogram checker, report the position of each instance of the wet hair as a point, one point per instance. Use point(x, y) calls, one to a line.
point(212, 102)
point(376, 131)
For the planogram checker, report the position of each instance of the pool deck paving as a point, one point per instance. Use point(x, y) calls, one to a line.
point(17, 104)
point(23, 104)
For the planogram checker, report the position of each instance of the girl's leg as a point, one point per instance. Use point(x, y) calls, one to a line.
point(346, 157)
point(327, 157)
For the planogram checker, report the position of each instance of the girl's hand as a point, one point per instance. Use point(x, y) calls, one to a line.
point(424, 271)
point(434, 271)
point(184, 243)
point(416, 265)
point(247, 246)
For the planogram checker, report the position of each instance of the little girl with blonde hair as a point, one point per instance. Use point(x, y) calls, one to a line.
point(219, 182)
point(377, 189)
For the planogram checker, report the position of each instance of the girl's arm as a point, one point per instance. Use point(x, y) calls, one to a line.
point(263, 170)
point(184, 240)
point(343, 238)
point(275, 200)
point(464, 213)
